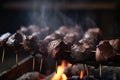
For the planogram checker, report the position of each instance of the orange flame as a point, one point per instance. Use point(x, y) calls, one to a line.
point(60, 72)
point(81, 74)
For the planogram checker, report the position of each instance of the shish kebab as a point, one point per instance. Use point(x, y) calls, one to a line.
point(72, 51)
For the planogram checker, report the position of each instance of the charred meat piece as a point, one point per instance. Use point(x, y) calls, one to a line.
point(4, 37)
point(35, 35)
point(11, 40)
point(115, 43)
point(26, 45)
point(16, 40)
point(104, 51)
point(63, 30)
point(34, 28)
point(81, 51)
point(52, 37)
point(95, 30)
point(30, 43)
point(92, 36)
point(44, 32)
point(24, 30)
point(56, 49)
point(71, 37)
point(42, 47)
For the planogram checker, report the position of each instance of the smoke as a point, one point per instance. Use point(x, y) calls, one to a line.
point(48, 14)
point(45, 16)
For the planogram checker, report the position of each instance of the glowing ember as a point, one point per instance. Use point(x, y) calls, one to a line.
point(60, 72)
point(81, 74)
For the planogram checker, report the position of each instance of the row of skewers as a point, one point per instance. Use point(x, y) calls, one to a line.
point(67, 43)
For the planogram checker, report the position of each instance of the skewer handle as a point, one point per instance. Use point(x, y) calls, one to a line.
point(41, 62)
point(16, 58)
point(56, 66)
point(87, 70)
point(100, 67)
point(33, 66)
point(3, 55)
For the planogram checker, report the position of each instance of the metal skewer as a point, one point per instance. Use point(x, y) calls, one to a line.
point(3, 54)
point(41, 64)
point(71, 51)
point(87, 71)
point(56, 66)
point(33, 66)
point(100, 69)
point(16, 54)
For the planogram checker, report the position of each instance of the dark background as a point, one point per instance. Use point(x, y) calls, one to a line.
point(108, 20)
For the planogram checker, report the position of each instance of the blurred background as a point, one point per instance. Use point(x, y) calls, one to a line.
point(54, 13)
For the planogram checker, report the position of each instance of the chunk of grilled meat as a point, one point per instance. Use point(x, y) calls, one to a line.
point(104, 51)
point(57, 49)
point(81, 51)
point(115, 43)
point(4, 38)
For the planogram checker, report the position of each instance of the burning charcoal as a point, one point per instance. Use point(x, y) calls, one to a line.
point(56, 49)
point(75, 78)
point(4, 37)
point(104, 51)
point(30, 76)
point(73, 70)
point(68, 71)
point(89, 78)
